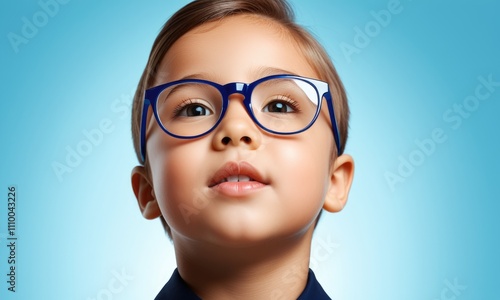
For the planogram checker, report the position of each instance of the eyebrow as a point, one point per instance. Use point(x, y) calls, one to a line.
point(268, 71)
point(204, 76)
point(259, 72)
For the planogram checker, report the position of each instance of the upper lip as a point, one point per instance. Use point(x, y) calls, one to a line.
point(233, 169)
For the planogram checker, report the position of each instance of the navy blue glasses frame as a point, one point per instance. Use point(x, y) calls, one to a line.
point(152, 94)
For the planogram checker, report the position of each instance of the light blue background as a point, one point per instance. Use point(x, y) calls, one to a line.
point(439, 225)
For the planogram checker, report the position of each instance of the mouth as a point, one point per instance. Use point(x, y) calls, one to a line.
point(234, 174)
point(237, 178)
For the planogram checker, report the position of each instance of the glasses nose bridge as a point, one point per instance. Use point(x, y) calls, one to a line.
point(243, 89)
point(236, 88)
point(240, 88)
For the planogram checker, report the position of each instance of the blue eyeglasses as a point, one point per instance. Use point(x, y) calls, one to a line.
point(279, 104)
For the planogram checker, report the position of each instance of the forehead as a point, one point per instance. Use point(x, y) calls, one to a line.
point(237, 48)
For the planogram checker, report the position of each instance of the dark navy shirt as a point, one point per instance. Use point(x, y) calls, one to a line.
point(176, 288)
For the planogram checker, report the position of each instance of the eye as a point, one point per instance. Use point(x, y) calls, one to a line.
point(190, 108)
point(283, 105)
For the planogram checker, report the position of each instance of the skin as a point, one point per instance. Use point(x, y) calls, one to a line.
point(256, 243)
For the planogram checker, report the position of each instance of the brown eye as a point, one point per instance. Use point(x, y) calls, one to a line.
point(278, 107)
point(191, 108)
point(195, 110)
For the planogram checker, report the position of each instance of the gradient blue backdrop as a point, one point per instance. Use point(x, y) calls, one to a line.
point(438, 225)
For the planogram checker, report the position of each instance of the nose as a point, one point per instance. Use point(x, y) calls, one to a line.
point(237, 127)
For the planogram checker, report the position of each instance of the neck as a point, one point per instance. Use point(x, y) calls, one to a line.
point(278, 269)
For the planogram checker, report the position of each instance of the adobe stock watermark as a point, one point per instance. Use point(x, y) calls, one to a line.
point(116, 284)
point(451, 291)
point(31, 26)
point(364, 35)
point(322, 250)
point(454, 118)
point(92, 138)
point(198, 203)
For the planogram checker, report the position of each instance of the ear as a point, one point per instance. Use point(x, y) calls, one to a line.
point(143, 190)
point(341, 175)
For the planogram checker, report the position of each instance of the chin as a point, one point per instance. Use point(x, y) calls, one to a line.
point(251, 235)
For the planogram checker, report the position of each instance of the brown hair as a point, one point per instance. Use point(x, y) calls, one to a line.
point(200, 12)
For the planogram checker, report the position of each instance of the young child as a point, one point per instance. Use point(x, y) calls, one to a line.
point(240, 122)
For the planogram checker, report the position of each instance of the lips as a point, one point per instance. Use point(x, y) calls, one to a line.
point(236, 178)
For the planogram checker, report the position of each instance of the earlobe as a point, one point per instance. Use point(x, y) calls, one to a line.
point(341, 175)
point(144, 193)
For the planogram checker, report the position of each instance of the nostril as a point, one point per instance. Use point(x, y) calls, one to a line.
point(246, 139)
point(226, 140)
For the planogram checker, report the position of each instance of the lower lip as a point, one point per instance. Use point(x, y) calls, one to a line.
point(236, 189)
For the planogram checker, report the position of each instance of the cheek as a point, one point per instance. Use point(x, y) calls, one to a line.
point(309, 152)
point(302, 172)
point(174, 171)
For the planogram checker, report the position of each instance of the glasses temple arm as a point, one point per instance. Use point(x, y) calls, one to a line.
point(336, 135)
point(142, 127)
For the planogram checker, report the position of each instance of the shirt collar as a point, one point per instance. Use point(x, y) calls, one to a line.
point(176, 288)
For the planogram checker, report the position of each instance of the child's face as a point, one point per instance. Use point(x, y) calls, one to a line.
point(294, 172)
